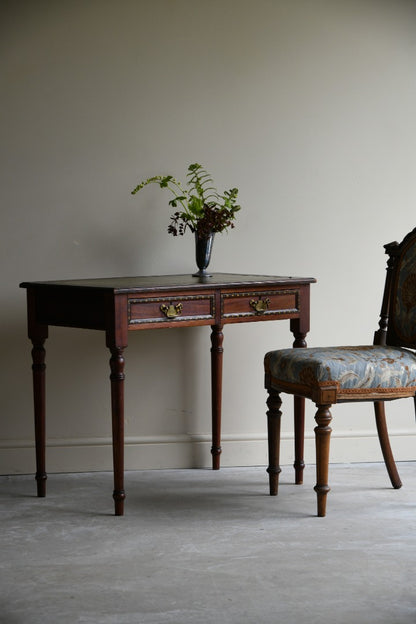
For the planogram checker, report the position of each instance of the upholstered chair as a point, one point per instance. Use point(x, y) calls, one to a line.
point(380, 372)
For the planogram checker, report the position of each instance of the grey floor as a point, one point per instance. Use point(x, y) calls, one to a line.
point(202, 547)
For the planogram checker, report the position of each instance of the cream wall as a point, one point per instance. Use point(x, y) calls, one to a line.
point(307, 106)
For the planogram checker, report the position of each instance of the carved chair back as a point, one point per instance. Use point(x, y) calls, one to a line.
point(397, 326)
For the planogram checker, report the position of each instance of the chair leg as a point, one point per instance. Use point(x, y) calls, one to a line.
point(299, 414)
point(383, 437)
point(274, 414)
point(322, 438)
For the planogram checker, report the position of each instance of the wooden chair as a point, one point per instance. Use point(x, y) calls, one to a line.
point(380, 372)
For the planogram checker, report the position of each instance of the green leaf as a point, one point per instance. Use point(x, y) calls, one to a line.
point(196, 206)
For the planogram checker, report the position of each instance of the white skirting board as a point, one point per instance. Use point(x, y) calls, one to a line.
point(193, 451)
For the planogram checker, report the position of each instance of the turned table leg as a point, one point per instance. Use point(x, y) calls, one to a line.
point(299, 417)
point(274, 414)
point(117, 412)
point(38, 333)
point(217, 338)
point(38, 369)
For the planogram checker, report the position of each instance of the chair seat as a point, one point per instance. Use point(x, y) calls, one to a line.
point(350, 369)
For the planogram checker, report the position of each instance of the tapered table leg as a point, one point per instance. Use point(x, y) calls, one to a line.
point(38, 369)
point(217, 338)
point(117, 412)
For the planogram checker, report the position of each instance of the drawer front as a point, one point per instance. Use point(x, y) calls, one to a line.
point(260, 304)
point(171, 309)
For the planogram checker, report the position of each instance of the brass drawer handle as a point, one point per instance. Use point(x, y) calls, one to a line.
point(171, 311)
point(261, 305)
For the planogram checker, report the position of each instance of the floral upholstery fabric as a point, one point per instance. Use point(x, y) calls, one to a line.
point(404, 315)
point(350, 367)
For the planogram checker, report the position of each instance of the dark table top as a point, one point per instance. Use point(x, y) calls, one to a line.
point(172, 282)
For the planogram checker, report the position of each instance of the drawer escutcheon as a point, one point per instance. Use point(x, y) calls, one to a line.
point(171, 311)
point(261, 305)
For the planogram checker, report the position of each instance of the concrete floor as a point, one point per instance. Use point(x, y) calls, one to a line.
point(203, 547)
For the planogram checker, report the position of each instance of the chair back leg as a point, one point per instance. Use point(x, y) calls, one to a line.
point(299, 425)
point(323, 418)
point(383, 437)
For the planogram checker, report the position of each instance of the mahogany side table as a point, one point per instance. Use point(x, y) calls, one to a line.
point(120, 305)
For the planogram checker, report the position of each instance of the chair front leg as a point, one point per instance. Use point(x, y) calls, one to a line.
point(274, 414)
point(322, 439)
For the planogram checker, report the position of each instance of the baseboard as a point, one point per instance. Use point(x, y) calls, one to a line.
point(193, 451)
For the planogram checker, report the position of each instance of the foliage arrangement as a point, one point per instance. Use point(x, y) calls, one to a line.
point(202, 209)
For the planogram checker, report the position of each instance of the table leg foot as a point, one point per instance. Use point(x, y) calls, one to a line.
point(41, 484)
point(216, 452)
point(119, 497)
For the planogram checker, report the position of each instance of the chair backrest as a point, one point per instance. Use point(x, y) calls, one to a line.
point(398, 313)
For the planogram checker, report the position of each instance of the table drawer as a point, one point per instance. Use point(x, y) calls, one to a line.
point(259, 303)
point(170, 309)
